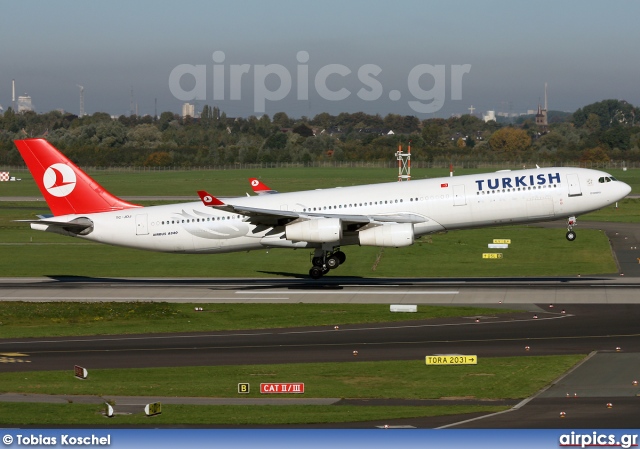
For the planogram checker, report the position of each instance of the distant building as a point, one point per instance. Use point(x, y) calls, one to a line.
point(541, 115)
point(489, 116)
point(188, 109)
point(24, 103)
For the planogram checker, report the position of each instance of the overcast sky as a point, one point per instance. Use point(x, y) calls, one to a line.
point(423, 58)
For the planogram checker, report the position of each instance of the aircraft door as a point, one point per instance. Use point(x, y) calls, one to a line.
point(459, 197)
point(142, 227)
point(574, 185)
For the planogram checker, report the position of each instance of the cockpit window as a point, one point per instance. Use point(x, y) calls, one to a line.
point(606, 179)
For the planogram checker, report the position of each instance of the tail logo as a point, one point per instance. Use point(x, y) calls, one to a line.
point(59, 180)
point(255, 183)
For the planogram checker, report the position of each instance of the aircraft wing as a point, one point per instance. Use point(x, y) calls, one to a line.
point(272, 217)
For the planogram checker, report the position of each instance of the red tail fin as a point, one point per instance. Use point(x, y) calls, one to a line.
point(259, 187)
point(66, 188)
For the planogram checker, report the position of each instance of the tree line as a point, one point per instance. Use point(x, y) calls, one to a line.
point(600, 132)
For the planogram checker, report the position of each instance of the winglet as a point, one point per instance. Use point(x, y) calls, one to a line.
point(209, 200)
point(259, 187)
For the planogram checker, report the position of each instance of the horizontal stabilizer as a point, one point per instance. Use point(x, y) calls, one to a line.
point(76, 226)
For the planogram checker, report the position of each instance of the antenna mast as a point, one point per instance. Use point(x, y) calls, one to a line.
point(404, 163)
point(81, 100)
point(131, 106)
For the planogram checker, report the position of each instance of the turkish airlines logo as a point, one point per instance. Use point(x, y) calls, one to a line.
point(207, 199)
point(59, 180)
point(255, 183)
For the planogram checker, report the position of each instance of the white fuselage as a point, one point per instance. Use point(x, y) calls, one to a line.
point(500, 198)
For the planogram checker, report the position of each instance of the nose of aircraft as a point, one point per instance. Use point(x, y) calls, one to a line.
point(625, 189)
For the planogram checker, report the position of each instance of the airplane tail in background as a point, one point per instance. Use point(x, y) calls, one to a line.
point(259, 187)
point(66, 188)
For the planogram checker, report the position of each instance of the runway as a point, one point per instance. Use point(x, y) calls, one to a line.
point(608, 329)
point(511, 291)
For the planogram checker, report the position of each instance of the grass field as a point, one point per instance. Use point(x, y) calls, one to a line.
point(455, 254)
point(20, 319)
point(492, 378)
point(71, 415)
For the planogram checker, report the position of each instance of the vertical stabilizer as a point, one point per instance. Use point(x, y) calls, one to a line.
point(66, 188)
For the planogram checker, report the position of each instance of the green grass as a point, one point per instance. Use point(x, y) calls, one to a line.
point(21, 319)
point(70, 415)
point(491, 378)
point(455, 254)
point(628, 211)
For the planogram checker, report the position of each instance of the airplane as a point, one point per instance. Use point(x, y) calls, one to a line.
point(390, 214)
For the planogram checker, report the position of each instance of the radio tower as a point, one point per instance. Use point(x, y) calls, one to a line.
point(131, 106)
point(81, 100)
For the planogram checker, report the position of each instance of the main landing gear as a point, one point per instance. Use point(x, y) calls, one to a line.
point(571, 222)
point(323, 261)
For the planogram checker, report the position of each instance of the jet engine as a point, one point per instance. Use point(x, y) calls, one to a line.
point(396, 235)
point(317, 230)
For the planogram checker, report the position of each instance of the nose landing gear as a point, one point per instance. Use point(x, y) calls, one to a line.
point(323, 261)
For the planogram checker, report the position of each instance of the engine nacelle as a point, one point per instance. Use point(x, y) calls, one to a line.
point(395, 235)
point(317, 230)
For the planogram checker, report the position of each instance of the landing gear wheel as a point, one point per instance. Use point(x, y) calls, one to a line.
point(341, 256)
point(325, 269)
point(333, 262)
point(317, 262)
point(571, 236)
point(316, 272)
